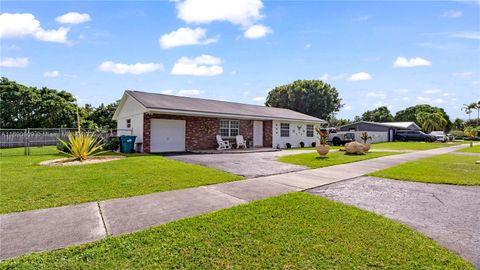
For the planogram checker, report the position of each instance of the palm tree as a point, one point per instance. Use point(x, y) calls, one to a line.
point(431, 121)
point(467, 109)
point(477, 107)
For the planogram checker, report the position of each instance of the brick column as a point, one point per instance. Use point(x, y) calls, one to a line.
point(146, 133)
point(267, 133)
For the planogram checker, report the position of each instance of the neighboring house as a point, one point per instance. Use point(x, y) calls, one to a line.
point(166, 123)
point(384, 130)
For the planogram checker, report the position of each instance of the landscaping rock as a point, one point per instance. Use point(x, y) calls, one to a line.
point(355, 148)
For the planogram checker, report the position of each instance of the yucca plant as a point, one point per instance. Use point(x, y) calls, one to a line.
point(323, 135)
point(365, 137)
point(82, 145)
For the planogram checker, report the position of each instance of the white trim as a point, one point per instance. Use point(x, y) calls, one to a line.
point(122, 103)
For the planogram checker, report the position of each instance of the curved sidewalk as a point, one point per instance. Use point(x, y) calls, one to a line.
point(53, 228)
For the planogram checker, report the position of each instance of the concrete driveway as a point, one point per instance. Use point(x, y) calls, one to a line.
point(447, 213)
point(249, 165)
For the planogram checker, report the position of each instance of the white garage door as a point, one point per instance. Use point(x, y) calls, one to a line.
point(167, 135)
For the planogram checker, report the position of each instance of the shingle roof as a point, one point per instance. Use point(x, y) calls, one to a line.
point(154, 101)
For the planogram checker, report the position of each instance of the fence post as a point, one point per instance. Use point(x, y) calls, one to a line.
point(25, 142)
point(28, 141)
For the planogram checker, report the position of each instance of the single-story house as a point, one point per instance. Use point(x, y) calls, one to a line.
point(167, 123)
point(389, 128)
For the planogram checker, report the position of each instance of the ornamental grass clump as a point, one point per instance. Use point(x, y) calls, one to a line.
point(82, 145)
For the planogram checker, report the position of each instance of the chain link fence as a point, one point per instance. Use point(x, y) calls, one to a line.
point(43, 141)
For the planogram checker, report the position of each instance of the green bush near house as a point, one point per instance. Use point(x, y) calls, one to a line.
point(293, 231)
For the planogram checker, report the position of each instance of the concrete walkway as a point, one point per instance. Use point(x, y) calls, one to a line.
point(449, 214)
point(54, 228)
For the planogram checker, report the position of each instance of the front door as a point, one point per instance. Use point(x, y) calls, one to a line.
point(258, 133)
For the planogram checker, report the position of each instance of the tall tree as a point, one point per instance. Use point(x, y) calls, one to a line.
point(458, 124)
point(312, 97)
point(431, 121)
point(29, 107)
point(102, 115)
point(410, 114)
point(335, 122)
point(380, 114)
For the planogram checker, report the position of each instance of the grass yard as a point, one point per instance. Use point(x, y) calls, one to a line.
point(412, 145)
point(332, 147)
point(474, 149)
point(20, 151)
point(25, 185)
point(293, 231)
point(313, 160)
point(443, 169)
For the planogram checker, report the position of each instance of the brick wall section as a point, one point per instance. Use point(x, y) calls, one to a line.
point(197, 136)
point(267, 133)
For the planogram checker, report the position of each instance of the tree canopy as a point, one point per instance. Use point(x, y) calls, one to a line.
point(431, 121)
point(410, 114)
point(31, 107)
point(380, 114)
point(312, 97)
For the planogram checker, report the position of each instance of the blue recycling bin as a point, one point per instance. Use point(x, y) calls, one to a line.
point(127, 144)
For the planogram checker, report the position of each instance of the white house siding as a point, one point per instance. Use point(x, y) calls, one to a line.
point(132, 110)
point(298, 133)
point(377, 136)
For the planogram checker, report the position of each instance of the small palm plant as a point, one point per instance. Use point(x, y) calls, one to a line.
point(471, 132)
point(82, 145)
point(365, 137)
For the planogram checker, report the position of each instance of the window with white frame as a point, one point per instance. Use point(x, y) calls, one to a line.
point(284, 130)
point(309, 130)
point(229, 128)
point(129, 123)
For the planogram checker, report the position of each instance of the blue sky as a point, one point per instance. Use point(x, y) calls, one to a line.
point(375, 53)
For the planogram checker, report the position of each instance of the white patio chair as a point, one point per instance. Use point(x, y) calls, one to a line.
point(223, 145)
point(240, 142)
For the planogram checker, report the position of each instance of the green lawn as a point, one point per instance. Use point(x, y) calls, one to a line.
point(332, 147)
point(412, 145)
point(443, 169)
point(313, 160)
point(293, 231)
point(20, 151)
point(25, 185)
point(474, 149)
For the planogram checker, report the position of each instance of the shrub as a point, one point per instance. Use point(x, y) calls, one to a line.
point(288, 145)
point(61, 147)
point(457, 133)
point(302, 144)
point(82, 145)
point(314, 144)
point(113, 144)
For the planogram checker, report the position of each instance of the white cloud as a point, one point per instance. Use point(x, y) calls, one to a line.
point(466, 34)
point(362, 18)
point(203, 65)
point(238, 12)
point(360, 76)
point(244, 13)
point(19, 62)
point(51, 74)
point(329, 77)
point(73, 18)
point(259, 99)
point(452, 14)
point(347, 108)
point(308, 46)
point(138, 68)
point(401, 91)
point(476, 82)
point(373, 94)
point(257, 31)
point(189, 92)
point(185, 36)
point(166, 91)
point(403, 62)
point(467, 74)
point(380, 104)
point(19, 25)
point(433, 91)
point(447, 94)
point(430, 100)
